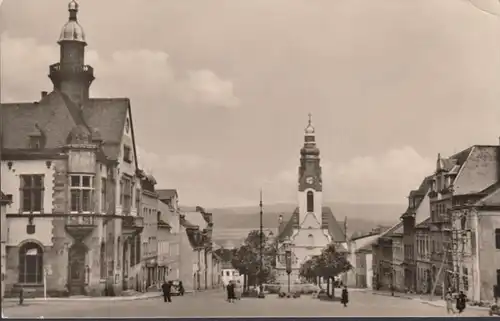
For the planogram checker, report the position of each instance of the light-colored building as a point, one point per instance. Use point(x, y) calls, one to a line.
point(312, 226)
point(169, 234)
point(69, 162)
point(476, 240)
point(398, 259)
point(458, 180)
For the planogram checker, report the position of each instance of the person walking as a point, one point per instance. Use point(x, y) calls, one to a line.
point(166, 288)
point(448, 298)
point(461, 301)
point(344, 297)
point(181, 289)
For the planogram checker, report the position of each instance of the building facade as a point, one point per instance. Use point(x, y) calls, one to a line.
point(398, 259)
point(423, 258)
point(4, 202)
point(458, 180)
point(69, 163)
point(312, 226)
point(418, 210)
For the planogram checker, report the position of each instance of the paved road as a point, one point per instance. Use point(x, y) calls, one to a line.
point(212, 304)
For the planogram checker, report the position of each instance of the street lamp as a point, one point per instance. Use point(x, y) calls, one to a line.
point(261, 245)
point(288, 261)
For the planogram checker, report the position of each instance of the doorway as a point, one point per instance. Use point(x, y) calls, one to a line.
point(76, 264)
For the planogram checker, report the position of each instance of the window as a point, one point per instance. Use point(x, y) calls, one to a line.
point(310, 201)
point(82, 193)
point(138, 249)
point(32, 193)
point(127, 155)
point(126, 194)
point(35, 142)
point(103, 196)
point(31, 264)
point(497, 238)
point(310, 240)
point(102, 259)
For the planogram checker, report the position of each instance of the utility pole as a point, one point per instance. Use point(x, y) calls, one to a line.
point(261, 240)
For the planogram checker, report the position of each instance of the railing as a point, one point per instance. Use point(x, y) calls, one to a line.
point(75, 69)
point(80, 220)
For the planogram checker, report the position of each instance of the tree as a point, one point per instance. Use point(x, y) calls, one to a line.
point(226, 255)
point(328, 265)
point(246, 258)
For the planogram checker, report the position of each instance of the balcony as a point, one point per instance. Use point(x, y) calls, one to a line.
point(80, 226)
point(132, 225)
point(58, 72)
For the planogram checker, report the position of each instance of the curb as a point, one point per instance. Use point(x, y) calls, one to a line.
point(105, 299)
point(431, 303)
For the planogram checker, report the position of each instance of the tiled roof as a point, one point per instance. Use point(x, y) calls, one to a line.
point(421, 191)
point(328, 222)
point(479, 169)
point(492, 197)
point(56, 115)
point(166, 194)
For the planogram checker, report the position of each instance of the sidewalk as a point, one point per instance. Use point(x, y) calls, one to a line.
point(424, 299)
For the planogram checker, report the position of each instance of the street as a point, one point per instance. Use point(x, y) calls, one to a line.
point(212, 304)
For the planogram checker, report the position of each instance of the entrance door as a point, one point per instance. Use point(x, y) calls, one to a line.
point(76, 263)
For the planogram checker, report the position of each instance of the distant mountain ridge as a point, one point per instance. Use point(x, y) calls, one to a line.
point(361, 218)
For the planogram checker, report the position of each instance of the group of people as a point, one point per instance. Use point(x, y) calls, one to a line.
point(459, 300)
point(233, 289)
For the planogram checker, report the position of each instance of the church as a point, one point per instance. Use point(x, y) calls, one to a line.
point(312, 226)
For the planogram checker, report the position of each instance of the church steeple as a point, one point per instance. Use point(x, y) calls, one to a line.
point(71, 76)
point(310, 169)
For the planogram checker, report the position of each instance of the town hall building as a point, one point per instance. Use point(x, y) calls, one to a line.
point(69, 167)
point(312, 226)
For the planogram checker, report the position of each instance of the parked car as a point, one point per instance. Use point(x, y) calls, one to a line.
point(175, 288)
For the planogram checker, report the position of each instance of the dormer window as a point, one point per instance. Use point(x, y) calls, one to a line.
point(127, 155)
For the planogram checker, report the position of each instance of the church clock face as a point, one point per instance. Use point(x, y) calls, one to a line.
point(310, 180)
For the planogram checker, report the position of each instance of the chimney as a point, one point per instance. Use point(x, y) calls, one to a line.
point(44, 93)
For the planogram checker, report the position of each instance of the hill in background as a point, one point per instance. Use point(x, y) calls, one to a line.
point(234, 223)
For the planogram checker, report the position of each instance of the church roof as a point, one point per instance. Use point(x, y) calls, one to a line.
point(328, 222)
point(56, 115)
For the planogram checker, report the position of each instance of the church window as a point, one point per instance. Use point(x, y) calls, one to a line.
point(310, 240)
point(310, 201)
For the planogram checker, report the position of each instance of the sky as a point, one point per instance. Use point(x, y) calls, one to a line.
point(221, 89)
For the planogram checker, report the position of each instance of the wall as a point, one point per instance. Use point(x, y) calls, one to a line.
point(3, 241)
point(188, 257)
point(369, 270)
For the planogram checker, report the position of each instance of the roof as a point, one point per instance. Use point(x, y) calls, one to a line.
point(492, 197)
point(425, 224)
point(166, 194)
point(419, 194)
point(55, 116)
point(478, 169)
point(328, 221)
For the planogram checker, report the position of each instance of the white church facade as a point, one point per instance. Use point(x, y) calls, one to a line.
point(312, 226)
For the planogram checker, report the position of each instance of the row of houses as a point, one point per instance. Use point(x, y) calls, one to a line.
point(79, 215)
point(449, 235)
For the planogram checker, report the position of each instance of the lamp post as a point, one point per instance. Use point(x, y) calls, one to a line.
point(261, 245)
point(288, 261)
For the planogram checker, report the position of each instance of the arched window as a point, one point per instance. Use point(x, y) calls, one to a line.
point(310, 201)
point(310, 240)
point(102, 260)
point(31, 263)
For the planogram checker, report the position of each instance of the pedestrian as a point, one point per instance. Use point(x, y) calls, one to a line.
point(181, 288)
point(231, 291)
point(448, 298)
point(228, 291)
point(237, 290)
point(345, 297)
point(166, 287)
point(461, 300)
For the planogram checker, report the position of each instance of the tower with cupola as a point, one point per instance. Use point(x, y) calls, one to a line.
point(310, 185)
point(70, 75)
